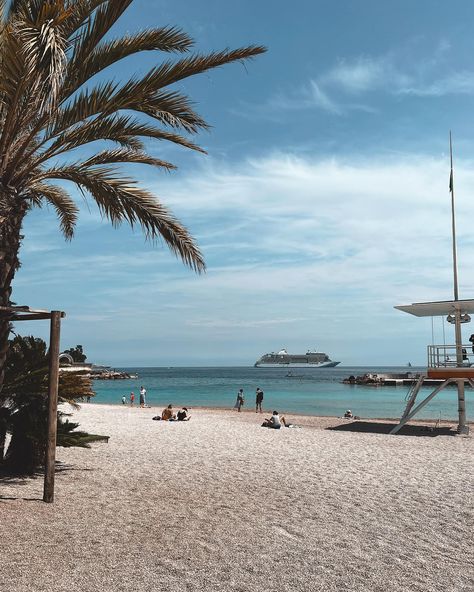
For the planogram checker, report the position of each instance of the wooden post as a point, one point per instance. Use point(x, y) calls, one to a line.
point(462, 427)
point(48, 493)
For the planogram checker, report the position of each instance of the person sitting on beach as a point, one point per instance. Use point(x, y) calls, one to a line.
point(183, 415)
point(348, 414)
point(275, 422)
point(167, 414)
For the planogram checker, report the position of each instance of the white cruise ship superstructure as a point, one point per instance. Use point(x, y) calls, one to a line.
point(283, 359)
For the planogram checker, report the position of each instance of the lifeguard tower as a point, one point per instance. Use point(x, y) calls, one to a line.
point(450, 364)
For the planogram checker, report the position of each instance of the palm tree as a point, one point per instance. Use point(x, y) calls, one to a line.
point(50, 50)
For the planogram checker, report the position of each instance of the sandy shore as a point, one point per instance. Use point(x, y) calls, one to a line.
point(221, 504)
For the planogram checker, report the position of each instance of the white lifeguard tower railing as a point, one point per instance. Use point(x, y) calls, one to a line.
point(450, 364)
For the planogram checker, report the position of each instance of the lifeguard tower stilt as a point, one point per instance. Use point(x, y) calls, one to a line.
point(451, 364)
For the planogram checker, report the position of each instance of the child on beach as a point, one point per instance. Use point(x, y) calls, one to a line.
point(124, 400)
point(132, 399)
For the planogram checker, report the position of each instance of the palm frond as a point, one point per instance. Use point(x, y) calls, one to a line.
point(96, 28)
point(121, 200)
point(81, 12)
point(61, 201)
point(122, 129)
point(169, 108)
point(171, 72)
point(87, 103)
point(126, 155)
point(44, 44)
point(166, 39)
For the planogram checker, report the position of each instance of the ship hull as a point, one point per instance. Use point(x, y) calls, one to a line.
point(295, 365)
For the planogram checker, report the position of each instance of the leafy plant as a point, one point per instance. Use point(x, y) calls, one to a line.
point(23, 406)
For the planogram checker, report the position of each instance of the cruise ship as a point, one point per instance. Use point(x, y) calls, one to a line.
point(283, 359)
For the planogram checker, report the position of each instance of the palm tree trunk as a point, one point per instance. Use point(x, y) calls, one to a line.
point(12, 213)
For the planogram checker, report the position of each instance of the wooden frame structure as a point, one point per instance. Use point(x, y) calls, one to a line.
point(14, 314)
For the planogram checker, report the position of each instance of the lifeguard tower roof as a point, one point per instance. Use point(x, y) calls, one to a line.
point(438, 309)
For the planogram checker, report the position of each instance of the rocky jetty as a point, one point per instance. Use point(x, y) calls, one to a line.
point(111, 374)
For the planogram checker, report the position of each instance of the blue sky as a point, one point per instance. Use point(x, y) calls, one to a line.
point(322, 203)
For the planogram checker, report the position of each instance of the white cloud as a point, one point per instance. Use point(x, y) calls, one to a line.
point(299, 250)
point(359, 75)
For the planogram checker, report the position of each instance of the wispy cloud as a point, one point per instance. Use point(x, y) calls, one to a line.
point(394, 73)
point(459, 83)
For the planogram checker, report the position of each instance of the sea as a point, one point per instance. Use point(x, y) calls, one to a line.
point(306, 392)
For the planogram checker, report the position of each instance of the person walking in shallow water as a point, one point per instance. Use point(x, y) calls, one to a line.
point(258, 400)
point(240, 400)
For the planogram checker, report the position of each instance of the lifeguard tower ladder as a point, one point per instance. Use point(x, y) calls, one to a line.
point(450, 364)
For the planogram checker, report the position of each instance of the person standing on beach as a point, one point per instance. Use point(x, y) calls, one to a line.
point(471, 339)
point(132, 398)
point(124, 400)
point(240, 400)
point(258, 400)
point(142, 396)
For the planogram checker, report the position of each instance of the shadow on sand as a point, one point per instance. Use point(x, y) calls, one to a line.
point(377, 427)
point(20, 479)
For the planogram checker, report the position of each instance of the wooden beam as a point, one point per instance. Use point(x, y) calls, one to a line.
point(13, 316)
point(30, 317)
point(48, 492)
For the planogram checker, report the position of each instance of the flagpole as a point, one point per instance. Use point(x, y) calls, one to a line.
point(453, 222)
point(462, 428)
point(457, 312)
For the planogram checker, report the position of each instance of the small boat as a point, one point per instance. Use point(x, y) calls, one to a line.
point(293, 375)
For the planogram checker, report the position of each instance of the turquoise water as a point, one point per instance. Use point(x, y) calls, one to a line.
point(313, 392)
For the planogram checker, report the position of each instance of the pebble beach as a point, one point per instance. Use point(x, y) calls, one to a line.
point(221, 504)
